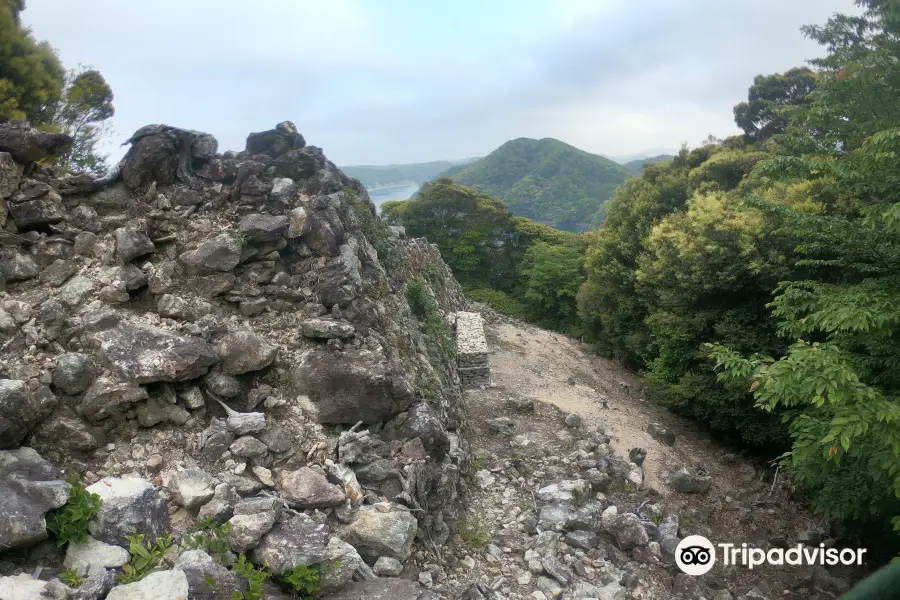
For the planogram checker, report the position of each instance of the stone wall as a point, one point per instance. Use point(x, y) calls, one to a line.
point(473, 364)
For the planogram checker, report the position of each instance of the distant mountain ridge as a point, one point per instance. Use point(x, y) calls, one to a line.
point(637, 166)
point(545, 180)
point(374, 176)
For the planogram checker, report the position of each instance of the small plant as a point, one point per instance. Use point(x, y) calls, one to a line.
point(72, 578)
point(420, 301)
point(657, 520)
point(244, 238)
point(476, 533)
point(212, 536)
point(70, 523)
point(303, 579)
point(144, 557)
point(255, 578)
point(477, 463)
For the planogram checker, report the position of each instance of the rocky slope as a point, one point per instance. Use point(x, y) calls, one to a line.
point(203, 335)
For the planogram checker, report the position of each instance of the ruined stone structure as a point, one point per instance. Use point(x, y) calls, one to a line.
point(473, 365)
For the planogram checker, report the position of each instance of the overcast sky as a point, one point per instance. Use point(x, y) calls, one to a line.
point(397, 81)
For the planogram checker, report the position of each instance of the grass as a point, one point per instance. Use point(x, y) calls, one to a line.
point(476, 533)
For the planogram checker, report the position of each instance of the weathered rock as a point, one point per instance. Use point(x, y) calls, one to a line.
point(564, 491)
point(244, 351)
point(309, 488)
point(555, 516)
point(501, 425)
point(263, 228)
point(39, 211)
point(276, 142)
point(556, 570)
point(625, 528)
point(108, 395)
point(661, 434)
point(244, 423)
point(687, 483)
point(58, 272)
point(15, 266)
point(248, 529)
point(382, 589)
point(248, 447)
point(572, 420)
point(175, 307)
point(357, 385)
point(27, 145)
point(420, 422)
point(200, 568)
point(63, 432)
point(29, 488)
point(221, 384)
point(95, 587)
point(128, 503)
point(295, 541)
point(299, 224)
point(161, 585)
point(386, 566)
point(215, 440)
point(22, 587)
point(582, 539)
point(191, 488)
point(381, 530)
point(221, 506)
point(340, 563)
point(21, 409)
point(93, 557)
point(146, 354)
point(192, 397)
point(74, 373)
point(326, 329)
point(221, 253)
point(132, 243)
point(9, 178)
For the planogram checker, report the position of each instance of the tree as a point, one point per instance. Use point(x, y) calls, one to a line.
point(762, 116)
point(83, 113)
point(31, 74)
point(553, 276)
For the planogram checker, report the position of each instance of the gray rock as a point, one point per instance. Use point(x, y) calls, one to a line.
point(277, 439)
point(557, 571)
point(128, 503)
point(63, 432)
point(582, 539)
point(191, 488)
point(564, 491)
point(147, 354)
point(555, 516)
point(244, 351)
point(132, 243)
point(326, 329)
point(58, 272)
point(420, 422)
point(687, 483)
point(263, 228)
point(262, 504)
point(248, 529)
point(626, 529)
point(221, 253)
point(339, 565)
point(501, 425)
point(661, 434)
point(27, 145)
point(753, 594)
point(221, 506)
point(29, 488)
point(215, 440)
point(390, 588)
point(199, 568)
point(107, 396)
point(295, 541)
point(357, 385)
point(93, 557)
point(192, 397)
point(175, 307)
point(275, 142)
point(381, 530)
point(309, 488)
point(75, 291)
point(74, 373)
point(221, 384)
point(9, 177)
point(21, 409)
point(248, 447)
point(161, 585)
point(244, 423)
point(550, 588)
point(22, 587)
point(299, 223)
point(44, 210)
point(95, 587)
point(155, 411)
point(386, 566)
point(572, 420)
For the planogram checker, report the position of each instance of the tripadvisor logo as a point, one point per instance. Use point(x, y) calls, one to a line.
point(696, 555)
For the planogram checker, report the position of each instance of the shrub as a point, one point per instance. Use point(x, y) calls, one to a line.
point(418, 295)
point(303, 579)
point(255, 577)
point(70, 523)
point(212, 536)
point(499, 301)
point(145, 557)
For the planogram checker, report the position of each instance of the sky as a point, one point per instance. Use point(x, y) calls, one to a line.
point(402, 81)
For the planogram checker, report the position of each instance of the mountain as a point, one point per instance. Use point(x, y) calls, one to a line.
point(545, 180)
point(374, 176)
point(637, 166)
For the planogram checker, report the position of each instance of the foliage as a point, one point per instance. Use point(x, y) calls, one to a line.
point(83, 112)
point(145, 556)
point(476, 533)
point(499, 301)
point(70, 522)
point(303, 580)
point(546, 180)
point(256, 578)
point(553, 275)
point(762, 117)
point(31, 74)
point(211, 536)
point(422, 303)
point(637, 166)
point(376, 230)
point(72, 578)
point(419, 297)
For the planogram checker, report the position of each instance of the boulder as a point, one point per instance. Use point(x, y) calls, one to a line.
point(263, 228)
point(295, 541)
point(275, 142)
point(625, 528)
point(74, 373)
point(58, 272)
point(93, 557)
point(248, 447)
point(326, 329)
point(199, 568)
point(147, 354)
point(132, 243)
point(381, 530)
point(339, 564)
point(161, 585)
point(192, 488)
point(108, 395)
point(221, 253)
point(308, 488)
point(128, 503)
point(244, 351)
point(688, 483)
point(21, 409)
point(27, 145)
point(357, 385)
point(247, 528)
point(29, 488)
point(23, 587)
point(15, 266)
point(386, 566)
point(381, 589)
point(63, 432)
point(420, 422)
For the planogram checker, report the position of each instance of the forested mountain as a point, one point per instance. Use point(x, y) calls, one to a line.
point(376, 176)
point(637, 166)
point(545, 180)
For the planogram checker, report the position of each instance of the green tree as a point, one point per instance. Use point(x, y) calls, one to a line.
point(83, 113)
point(553, 276)
point(31, 74)
point(761, 116)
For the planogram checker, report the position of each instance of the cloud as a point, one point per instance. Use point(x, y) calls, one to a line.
point(405, 81)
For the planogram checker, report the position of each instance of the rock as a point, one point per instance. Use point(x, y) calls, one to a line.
point(326, 329)
point(174, 307)
point(753, 594)
point(556, 570)
point(626, 529)
point(295, 541)
point(74, 373)
point(308, 488)
point(276, 142)
point(388, 567)
point(131, 244)
point(661, 434)
point(93, 557)
point(155, 411)
point(147, 354)
point(215, 440)
point(192, 397)
point(263, 228)
point(248, 447)
point(276, 439)
point(22, 587)
point(564, 491)
point(21, 409)
point(16, 266)
point(501, 425)
point(420, 422)
point(549, 587)
point(221, 253)
point(128, 503)
point(484, 479)
point(221, 506)
point(357, 385)
point(9, 178)
point(244, 351)
point(582, 539)
point(63, 432)
point(381, 589)
point(244, 423)
point(299, 224)
point(248, 529)
point(58, 272)
point(192, 488)
point(685, 482)
point(375, 533)
point(808, 537)
point(637, 456)
point(199, 568)
point(572, 420)
point(221, 384)
point(107, 395)
point(29, 488)
point(161, 585)
point(96, 586)
point(28, 145)
point(47, 209)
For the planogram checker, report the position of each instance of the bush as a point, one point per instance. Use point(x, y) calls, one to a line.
point(419, 298)
point(145, 557)
point(70, 523)
point(500, 301)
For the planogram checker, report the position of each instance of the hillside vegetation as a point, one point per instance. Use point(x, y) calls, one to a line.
point(375, 176)
point(637, 166)
point(545, 180)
